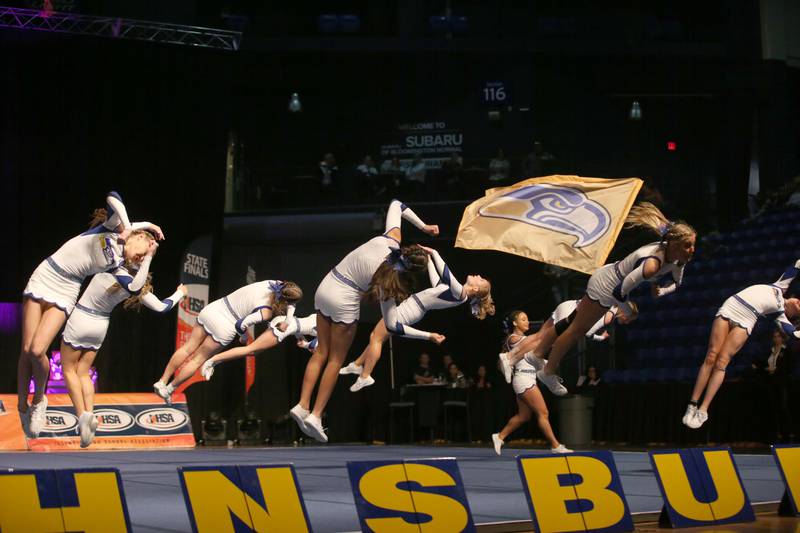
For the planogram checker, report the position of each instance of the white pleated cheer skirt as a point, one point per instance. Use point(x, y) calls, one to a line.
point(738, 313)
point(524, 377)
point(337, 300)
point(218, 322)
point(601, 286)
point(46, 284)
point(85, 330)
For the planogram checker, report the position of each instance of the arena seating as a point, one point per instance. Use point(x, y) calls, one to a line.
point(668, 342)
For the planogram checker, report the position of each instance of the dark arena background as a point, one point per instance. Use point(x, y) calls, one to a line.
point(248, 125)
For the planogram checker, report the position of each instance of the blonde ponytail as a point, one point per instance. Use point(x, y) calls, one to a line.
point(647, 215)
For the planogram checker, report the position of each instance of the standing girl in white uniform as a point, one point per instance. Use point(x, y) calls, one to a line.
point(612, 283)
point(87, 326)
point(529, 398)
point(299, 327)
point(377, 265)
point(445, 292)
point(53, 289)
point(731, 328)
point(538, 344)
point(223, 320)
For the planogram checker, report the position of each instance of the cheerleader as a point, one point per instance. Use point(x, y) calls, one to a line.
point(53, 289)
point(299, 327)
point(379, 267)
point(529, 397)
point(538, 344)
point(223, 320)
point(612, 284)
point(87, 326)
point(445, 292)
point(731, 328)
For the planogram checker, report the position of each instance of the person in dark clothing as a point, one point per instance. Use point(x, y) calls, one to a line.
point(423, 374)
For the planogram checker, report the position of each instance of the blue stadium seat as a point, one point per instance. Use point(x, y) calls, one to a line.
point(642, 375)
point(349, 23)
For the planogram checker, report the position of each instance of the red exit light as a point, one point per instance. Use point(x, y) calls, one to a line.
point(672, 146)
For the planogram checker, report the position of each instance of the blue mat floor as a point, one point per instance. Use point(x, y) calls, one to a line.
point(493, 486)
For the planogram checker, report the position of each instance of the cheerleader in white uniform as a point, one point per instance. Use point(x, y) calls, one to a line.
point(299, 327)
point(529, 397)
point(445, 292)
point(538, 344)
point(87, 326)
point(611, 284)
point(730, 330)
point(53, 288)
point(223, 320)
point(372, 266)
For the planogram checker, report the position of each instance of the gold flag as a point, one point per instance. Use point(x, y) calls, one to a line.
point(569, 221)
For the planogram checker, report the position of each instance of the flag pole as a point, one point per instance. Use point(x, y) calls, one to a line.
point(391, 361)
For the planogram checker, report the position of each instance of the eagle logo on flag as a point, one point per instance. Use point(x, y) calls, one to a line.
point(553, 207)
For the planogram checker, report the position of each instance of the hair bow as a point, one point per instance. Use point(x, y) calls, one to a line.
point(663, 229)
point(396, 259)
point(276, 286)
point(475, 306)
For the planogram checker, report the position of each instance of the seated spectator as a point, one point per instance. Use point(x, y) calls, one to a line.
point(328, 171)
point(367, 178)
point(447, 360)
point(794, 197)
point(779, 368)
point(499, 167)
point(481, 379)
point(423, 374)
point(537, 162)
point(393, 167)
point(451, 172)
point(415, 175)
point(591, 379)
point(455, 378)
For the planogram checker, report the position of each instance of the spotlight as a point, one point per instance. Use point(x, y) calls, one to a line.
point(636, 111)
point(214, 430)
point(249, 429)
point(294, 103)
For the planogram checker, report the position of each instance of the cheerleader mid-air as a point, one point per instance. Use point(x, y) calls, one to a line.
point(299, 327)
point(612, 284)
point(223, 320)
point(731, 328)
point(538, 344)
point(379, 267)
point(445, 292)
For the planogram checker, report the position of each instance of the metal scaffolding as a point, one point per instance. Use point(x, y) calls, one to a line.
point(158, 32)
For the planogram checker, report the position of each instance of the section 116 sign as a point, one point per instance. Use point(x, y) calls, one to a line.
point(495, 94)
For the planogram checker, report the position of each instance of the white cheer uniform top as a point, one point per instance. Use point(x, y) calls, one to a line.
point(746, 306)
point(100, 297)
point(612, 283)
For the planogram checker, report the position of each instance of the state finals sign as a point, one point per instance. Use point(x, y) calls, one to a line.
point(565, 492)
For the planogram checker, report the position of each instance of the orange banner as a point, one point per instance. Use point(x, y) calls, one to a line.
point(126, 421)
point(250, 364)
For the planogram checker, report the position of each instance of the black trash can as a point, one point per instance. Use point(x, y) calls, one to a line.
point(575, 420)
